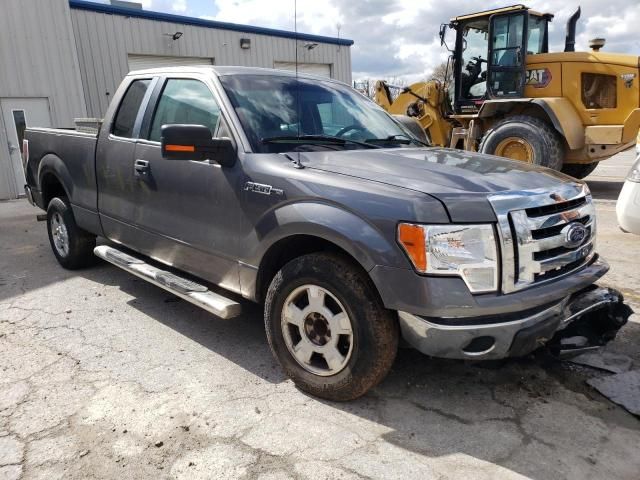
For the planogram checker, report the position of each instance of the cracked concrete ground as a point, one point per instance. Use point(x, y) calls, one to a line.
point(103, 375)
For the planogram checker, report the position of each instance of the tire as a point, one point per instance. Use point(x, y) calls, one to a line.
point(365, 356)
point(579, 170)
point(540, 141)
point(72, 246)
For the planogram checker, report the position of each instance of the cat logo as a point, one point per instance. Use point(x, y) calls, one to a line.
point(538, 78)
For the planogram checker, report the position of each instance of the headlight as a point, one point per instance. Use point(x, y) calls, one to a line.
point(468, 251)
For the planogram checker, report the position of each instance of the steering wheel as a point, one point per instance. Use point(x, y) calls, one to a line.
point(348, 128)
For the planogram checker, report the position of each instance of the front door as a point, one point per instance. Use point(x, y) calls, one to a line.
point(507, 51)
point(189, 213)
point(471, 65)
point(18, 114)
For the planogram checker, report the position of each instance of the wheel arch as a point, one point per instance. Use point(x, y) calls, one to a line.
point(300, 229)
point(54, 179)
point(290, 248)
point(558, 112)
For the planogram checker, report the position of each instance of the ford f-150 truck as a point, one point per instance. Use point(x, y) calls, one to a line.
point(223, 183)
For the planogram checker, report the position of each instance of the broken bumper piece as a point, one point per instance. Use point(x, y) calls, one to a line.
point(585, 320)
point(593, 319)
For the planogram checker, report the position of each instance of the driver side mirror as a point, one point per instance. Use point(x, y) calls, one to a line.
point(195, 142)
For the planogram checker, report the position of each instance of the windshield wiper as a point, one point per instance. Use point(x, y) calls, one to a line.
point(399, 138)
point(316, 139)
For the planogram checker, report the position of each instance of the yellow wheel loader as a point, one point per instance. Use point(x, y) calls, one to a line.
point(511, 97)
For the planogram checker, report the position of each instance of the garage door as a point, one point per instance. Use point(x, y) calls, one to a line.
point(322, 69)
point(140, 62)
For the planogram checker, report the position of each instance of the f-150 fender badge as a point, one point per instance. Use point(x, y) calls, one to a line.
point(262, 188)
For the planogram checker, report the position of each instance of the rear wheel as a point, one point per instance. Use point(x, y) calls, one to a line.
point(72, 246)
point(327, 327)
point(579, 170)
point(526, 139)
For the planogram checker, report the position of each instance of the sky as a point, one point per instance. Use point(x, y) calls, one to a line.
point(399, 38)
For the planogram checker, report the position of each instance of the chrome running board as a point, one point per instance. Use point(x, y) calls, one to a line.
point(186, 289)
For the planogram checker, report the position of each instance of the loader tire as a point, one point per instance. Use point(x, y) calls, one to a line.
point(579, 170)
point(527, 139)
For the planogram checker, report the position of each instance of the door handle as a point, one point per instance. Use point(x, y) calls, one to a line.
point(141, 168)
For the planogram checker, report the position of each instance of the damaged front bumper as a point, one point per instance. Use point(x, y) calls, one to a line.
point(585, 320)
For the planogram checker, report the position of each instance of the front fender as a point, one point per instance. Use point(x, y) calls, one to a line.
point(368, 244)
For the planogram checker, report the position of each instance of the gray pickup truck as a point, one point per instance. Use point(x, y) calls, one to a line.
point(224, 183)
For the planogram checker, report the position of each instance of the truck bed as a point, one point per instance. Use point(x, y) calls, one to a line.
point(71, 156)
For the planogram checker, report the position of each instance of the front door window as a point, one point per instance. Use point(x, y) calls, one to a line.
point(473, 74)
point(506, 77)
point(186, 101)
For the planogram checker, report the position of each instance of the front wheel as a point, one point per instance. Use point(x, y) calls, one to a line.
point(327, 327)
point(72, 246)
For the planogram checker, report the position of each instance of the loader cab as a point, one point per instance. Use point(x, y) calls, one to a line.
point(490, 52)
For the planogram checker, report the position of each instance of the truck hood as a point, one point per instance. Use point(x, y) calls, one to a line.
point(462, 181)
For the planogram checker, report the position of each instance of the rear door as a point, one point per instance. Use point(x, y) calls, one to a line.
point(188, 210)
point(507, 52)
point(115, 169)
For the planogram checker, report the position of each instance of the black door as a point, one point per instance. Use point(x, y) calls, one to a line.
point(507, 50)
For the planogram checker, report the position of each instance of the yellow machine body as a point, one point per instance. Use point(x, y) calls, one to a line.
point(592, 100)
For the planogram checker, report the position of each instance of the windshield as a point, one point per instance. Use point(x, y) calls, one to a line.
point(266, 107)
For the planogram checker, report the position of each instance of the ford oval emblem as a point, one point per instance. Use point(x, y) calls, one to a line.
point(574, 235)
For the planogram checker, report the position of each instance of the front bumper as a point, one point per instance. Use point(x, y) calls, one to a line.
point(583, 320)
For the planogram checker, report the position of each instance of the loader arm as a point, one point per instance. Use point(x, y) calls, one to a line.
point(423, 101)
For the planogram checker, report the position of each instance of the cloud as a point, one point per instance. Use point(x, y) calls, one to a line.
point(399, 38)
point(179, 6)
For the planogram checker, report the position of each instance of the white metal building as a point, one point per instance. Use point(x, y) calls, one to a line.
point(64, 59)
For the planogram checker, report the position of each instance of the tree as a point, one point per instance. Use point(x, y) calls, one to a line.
point(442, 74)
point(367, 86)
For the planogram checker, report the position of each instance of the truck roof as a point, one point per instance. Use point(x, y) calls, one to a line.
point(228, 70)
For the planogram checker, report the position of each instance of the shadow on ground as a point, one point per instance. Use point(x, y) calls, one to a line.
point(605, 190)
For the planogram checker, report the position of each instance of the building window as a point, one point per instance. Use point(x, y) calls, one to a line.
point(20, 122)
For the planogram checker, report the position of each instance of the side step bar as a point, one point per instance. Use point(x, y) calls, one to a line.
point(186, 289)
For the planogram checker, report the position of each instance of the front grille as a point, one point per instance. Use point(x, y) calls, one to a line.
point(538, 240)
point(555, 208)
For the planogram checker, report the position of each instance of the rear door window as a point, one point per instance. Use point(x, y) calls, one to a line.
point(125, 119)
point(185, 101)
